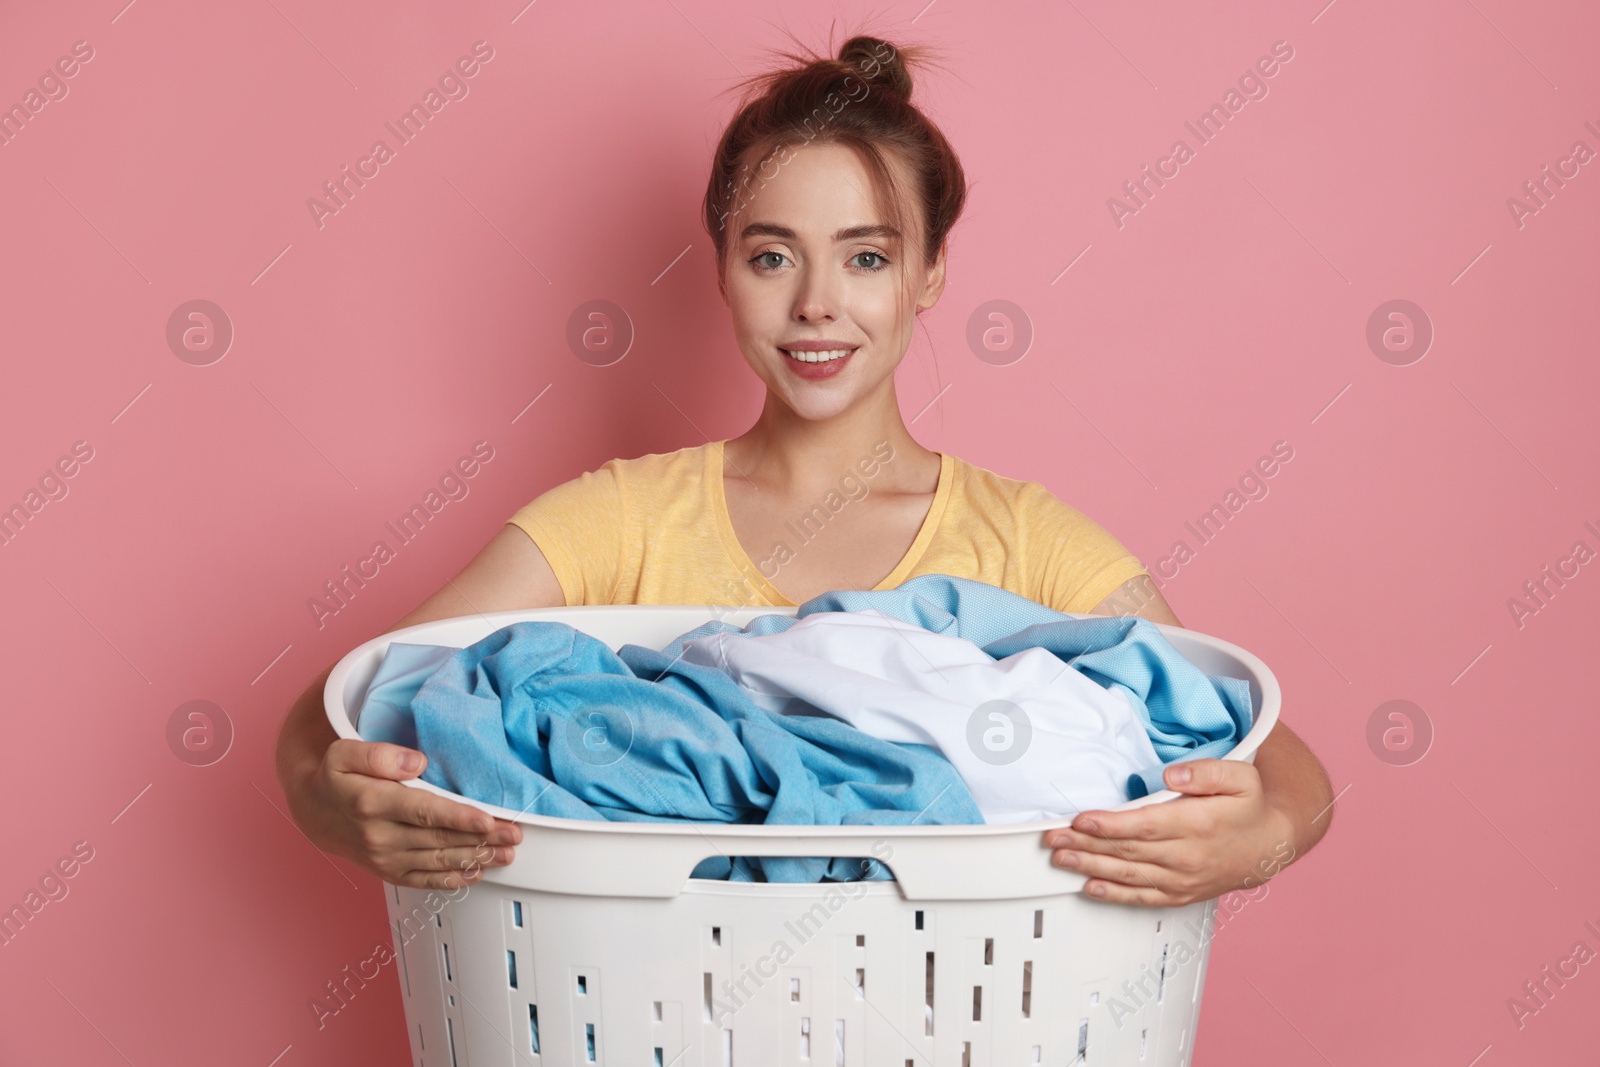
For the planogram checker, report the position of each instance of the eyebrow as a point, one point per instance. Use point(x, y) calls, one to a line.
point(849, 233)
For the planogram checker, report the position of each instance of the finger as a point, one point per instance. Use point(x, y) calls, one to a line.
point(1127, 848)
point(1207, 776)
point(406, 837)
point(1133, 875)
point(1143, 896)
point(377, 759)
point(420, 808)
point(464, 860)
point(1165, 821)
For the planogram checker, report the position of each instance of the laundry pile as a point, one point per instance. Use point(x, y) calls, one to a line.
point(944, 700)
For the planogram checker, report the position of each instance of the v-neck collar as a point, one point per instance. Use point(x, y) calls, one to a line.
point(741, 558)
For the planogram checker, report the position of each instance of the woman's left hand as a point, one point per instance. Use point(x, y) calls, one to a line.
point(1223, 835)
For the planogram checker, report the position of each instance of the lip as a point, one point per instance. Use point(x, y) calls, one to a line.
point(819, 346)
point(817, 371)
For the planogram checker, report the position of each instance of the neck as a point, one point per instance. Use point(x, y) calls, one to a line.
point(795, 456)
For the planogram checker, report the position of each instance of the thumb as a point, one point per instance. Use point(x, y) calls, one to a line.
point(1198, 776)
point(379, 759)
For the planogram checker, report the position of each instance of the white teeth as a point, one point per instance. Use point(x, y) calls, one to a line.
point(818, 357)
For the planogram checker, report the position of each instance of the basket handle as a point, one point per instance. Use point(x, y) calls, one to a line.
point(982, 862)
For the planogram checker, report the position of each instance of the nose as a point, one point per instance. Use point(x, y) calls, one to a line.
point(815, 301)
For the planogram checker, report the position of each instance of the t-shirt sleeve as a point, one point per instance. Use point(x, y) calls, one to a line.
point(1079, 562)
point(580, 525)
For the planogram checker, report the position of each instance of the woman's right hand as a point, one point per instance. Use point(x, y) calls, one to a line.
point(346, 795)
point(354, 804)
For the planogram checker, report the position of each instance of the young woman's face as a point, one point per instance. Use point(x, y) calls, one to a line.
point(800, 270)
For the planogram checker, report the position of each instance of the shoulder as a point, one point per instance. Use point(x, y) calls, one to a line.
point(1029, 504)
point(643, 472)
point(1069, 561)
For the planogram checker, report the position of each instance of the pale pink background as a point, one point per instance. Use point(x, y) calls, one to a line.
point(1228, 314)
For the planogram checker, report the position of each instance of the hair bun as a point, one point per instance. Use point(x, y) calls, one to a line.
point(878, 62)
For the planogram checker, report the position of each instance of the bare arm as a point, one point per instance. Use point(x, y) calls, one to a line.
point(1231, 829)
point(1293, 779)
point(346, 795)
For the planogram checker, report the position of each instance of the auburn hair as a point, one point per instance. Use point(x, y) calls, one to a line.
point(862, 100)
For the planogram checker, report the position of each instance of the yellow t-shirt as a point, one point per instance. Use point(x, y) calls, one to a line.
point(655, 530)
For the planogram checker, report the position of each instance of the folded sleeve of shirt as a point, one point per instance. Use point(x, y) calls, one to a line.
point(1079, 562)
point(580, 526)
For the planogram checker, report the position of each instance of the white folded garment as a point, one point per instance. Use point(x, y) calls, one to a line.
point(1032, 737)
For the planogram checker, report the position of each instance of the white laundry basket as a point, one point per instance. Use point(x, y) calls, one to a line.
point(595, 947)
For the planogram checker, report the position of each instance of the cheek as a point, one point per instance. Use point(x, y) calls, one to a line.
point(756, 311)
point(880, 313)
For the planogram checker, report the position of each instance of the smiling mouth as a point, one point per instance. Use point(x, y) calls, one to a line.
point(817, 357)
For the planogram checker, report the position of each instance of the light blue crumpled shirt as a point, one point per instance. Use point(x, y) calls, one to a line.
point(539, 717)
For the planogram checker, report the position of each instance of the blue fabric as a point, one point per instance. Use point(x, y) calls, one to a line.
point(539, 717)
point(1187, 713)
point(386, 713)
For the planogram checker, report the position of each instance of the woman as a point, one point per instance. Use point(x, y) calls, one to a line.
point(827, 192)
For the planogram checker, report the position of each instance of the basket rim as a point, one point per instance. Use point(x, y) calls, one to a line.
point(338, 715)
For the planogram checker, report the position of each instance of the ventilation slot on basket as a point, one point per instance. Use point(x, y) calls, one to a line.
point(583, 986)
point(805, 1037)
point(1038, 922)
point(727, 1048)
point(708, 996)
point(1142, 1033)
point(919, 919)
point(966, 1054)
point(1161, 982)
point(511, 968)
point(447, 975)
point(988, 952)
point(838, 1042)
point(861, 939)
point(861, 983)
point(658, 1056)
point(588, 1040)
point(794, 989)
point(977, 1003)
point(533, 1028)
point(450, 1032)
point(1083, 1038)
point(716, 935)
point(927, 998)
point(1027, 987)
point(655, 1011)
point(516, 913)
point(1036, 1051)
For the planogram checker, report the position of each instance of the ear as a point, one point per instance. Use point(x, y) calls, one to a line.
point(936, 277)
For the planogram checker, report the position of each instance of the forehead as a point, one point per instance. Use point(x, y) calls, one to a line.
point(821, 192)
